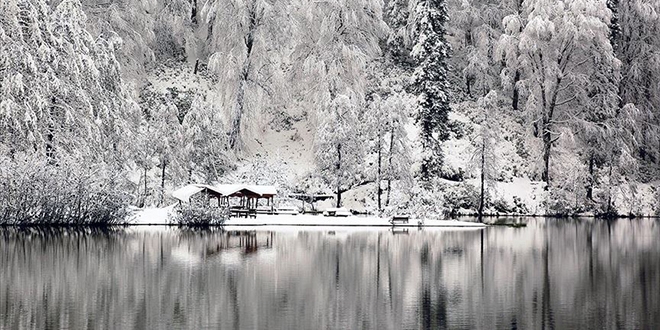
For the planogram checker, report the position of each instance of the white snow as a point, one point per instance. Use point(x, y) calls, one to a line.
point(317, 220)
point(151, 216)
point(160, 216)
point(184, 193)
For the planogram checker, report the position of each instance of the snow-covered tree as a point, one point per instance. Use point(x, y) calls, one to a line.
point(338, 147)
point(385, 122)
point(635, 33)
point(507, 50)
point(397, 15)
point(246, 41)
point(205, 143)
point(562, 47)
point(375, 128)
point(398, 106)
point(150, 31)
point(429, 81)
point(475, 28)
point(484, 154)
point(64, 93)
point(336, 40)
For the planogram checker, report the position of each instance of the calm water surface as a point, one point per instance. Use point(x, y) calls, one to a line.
point(552, 274)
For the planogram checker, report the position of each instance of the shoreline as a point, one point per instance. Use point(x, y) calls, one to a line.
point(160, 217)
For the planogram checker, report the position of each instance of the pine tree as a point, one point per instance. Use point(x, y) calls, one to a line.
point(429, 82)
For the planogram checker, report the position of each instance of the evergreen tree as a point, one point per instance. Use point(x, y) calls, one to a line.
point(429, 82)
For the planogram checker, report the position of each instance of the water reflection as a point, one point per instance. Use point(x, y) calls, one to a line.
point(552, 274)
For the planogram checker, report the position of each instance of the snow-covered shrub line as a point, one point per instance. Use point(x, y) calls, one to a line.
point(35, 191)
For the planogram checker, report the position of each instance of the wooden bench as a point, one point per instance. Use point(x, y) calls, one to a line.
point(400, 219)
point(252, 213)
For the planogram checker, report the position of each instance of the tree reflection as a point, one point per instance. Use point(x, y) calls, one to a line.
point(550, 274)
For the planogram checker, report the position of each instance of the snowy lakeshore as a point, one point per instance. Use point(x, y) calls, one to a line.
point(161, 216)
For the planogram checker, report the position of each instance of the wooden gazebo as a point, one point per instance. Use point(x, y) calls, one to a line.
point(248, 195)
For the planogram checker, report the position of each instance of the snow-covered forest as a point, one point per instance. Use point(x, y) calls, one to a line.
point(539, 106)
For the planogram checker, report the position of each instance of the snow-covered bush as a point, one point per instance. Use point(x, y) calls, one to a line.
point(465, 196)
point(198, 213)
point(425, 203)
point(35, 192)
point(519, 206)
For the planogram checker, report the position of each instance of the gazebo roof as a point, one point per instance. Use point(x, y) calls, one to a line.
point(237, 190)
point(225, 190)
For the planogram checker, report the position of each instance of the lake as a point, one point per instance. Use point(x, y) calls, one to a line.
point(551, 274)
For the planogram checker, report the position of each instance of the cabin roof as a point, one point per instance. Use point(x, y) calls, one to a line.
point(242, 189)
point(225, 190)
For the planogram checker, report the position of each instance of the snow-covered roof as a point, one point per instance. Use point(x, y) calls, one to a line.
point(184, 194)
point(230, 189)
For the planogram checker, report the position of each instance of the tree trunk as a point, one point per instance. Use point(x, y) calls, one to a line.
point(193, 12)
point(516, 93)
point(379, 190)
point(547, 127)
point(50, 135)
point(592, 178)
point(468, 84)
point(162, 182)
point(144, 200)
point(609, 193)
point(389, 187)
point(50, 149)
point(235, 128)
point(483, 177)
point(389, 165)
point(338, 175)
point(547, 145)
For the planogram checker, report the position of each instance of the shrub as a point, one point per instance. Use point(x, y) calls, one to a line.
point(34, 192)
point(463, 197)
point(519, 206)
point(500, 205)
point(199, 213)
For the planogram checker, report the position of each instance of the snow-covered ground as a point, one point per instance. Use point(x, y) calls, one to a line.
point(318, 220)
point(160, 216)
point(151, 216)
